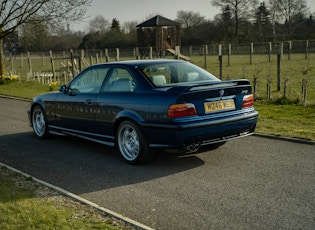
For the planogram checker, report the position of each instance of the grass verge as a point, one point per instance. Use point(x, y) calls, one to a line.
point(26, 204)
point(288, 120)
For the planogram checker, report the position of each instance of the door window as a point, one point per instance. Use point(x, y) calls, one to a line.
point(120, 80)
point(89, 81)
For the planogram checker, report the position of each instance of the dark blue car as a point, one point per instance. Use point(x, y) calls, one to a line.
point(144, 104)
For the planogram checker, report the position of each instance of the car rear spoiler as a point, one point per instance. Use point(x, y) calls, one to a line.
point(222, 84)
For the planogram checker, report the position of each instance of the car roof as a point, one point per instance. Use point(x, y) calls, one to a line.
point(141, 62)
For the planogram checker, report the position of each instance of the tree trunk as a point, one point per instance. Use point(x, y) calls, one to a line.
point(2, 62)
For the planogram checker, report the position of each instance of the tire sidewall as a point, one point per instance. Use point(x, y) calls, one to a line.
point(45, 133)
point(143, 144)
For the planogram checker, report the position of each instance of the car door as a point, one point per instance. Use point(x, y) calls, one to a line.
point(75, 109)
point(114, 97)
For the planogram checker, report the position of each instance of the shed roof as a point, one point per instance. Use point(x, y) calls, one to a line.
point(158, 21)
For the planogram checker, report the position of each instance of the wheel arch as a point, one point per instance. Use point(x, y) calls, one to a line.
point(34, 104)
point(127, 115)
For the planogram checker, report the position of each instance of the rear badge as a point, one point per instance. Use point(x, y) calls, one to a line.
point(221, 92)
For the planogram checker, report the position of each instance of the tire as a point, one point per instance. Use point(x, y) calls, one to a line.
point(39, 122)
point(132, 144)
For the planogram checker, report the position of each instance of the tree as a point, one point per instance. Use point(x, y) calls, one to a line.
point(14, 13)
point(34, 35)
point(99, 24)
point(189, 19)
point(262, 22)
point(285, 11)
point(239, 8)
point(226, 22)
point(288, 10)
point(115, 25)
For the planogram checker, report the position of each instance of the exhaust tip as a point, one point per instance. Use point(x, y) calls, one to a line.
point(192, 148)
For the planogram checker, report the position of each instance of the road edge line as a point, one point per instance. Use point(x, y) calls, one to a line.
point(281, 138)
point(64, 192)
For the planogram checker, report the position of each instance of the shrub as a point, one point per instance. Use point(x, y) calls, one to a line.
point(8, 79)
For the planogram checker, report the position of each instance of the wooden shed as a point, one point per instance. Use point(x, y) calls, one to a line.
point(159, 33)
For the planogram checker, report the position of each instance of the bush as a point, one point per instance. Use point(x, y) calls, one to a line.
point(8, 79)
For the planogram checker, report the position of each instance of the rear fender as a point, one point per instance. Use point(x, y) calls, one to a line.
point(127, 115)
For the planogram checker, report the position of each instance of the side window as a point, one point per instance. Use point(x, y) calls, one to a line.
point(120, 80)
point(89, 81)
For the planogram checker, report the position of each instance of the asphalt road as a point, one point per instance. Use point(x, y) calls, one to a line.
point(248, 183)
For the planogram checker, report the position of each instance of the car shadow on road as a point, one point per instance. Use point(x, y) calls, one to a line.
point(82, 166)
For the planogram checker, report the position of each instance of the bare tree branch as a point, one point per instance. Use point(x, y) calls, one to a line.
point(14, 13)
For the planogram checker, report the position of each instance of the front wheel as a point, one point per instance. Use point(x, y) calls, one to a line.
point(39, 122)
point(132, 144)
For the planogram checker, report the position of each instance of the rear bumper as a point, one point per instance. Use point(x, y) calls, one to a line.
point(202, 133)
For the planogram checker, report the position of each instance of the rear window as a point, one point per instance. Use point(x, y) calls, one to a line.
point(165, 74)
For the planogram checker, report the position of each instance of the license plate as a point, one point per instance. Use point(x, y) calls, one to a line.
point(215, 106)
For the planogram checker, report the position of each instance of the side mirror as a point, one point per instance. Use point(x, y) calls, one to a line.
point(63, 89)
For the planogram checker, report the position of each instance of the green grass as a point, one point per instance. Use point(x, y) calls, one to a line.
point(23, 89)
point(263, 71)
point(286, 120)
point(23, 206)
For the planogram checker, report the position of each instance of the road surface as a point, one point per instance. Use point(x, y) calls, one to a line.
point(248, 183)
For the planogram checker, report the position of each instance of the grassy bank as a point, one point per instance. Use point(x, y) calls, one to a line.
point(25, 204)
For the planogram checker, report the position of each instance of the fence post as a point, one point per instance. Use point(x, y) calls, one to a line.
point(106, 55)
point(255, 87)
point(229, 54)
point(52, 63)
point(22, 63)
point(286, 82)
point(205, 51)
point(177, 52)
point(220, 60)
point(268, 88)
point(304, 90)
point(137, 53)
point(151, 53)
point(251, 53)
point(29, 62)
point(72, 63)
point(306, 49)
point(278, 71)
point(281, 50)
point(117, 54)
point(289, 50)
point(270, 49)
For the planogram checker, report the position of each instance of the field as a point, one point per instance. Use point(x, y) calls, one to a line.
point(262, 72)
point(283, 112)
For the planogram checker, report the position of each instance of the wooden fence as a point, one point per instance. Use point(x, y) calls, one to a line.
point(221, 59)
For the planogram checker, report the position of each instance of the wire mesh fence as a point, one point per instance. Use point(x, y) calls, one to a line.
point(276, 70)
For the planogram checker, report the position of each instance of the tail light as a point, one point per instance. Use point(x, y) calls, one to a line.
point(248, 101)
point(181, 110)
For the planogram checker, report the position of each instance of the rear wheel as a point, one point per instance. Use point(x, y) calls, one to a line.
point(39, 122)
point(132, 144)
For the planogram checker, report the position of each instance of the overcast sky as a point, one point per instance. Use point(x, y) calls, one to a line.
point(141, 10)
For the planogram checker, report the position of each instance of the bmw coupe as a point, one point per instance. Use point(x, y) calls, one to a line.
point(143, 104)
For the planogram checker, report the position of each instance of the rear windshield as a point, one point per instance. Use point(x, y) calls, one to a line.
point(165, 74)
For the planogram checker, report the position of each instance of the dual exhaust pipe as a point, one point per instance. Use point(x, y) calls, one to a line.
point(192, 148)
